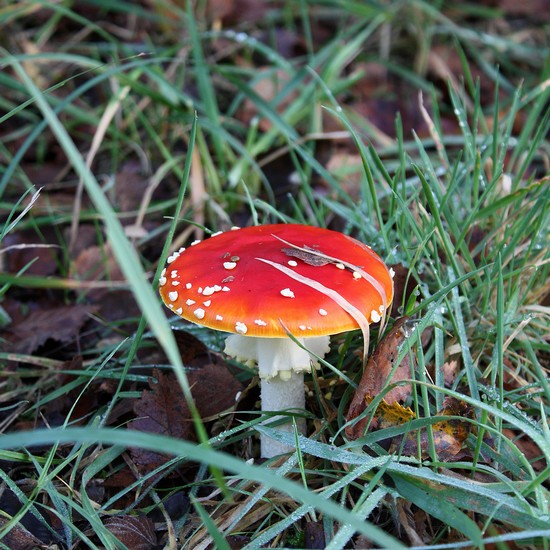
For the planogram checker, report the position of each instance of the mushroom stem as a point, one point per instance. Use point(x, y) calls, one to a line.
point(281, 364)
point(280, 394)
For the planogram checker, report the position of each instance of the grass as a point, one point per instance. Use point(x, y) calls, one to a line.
point(456, 192)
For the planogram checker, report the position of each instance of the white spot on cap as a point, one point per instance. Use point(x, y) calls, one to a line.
point(207, 303)
point(179, 311)
point(292, 263)
point(162, 281)
point(195, 242)
point(190, 302)
point(374, 316)
point(216, 233)
point(230, 265)
point(323, 312)
point(356, 275)
point(287, 293)
point(173, 257)
point(199, 290)
point(175, 283)
point(188, 286)
point(392, 273)
point(163, 272)
point(235, 227)
point(340, 266)
point(381, 308)
point(241, 327)
point(226, 289)
point(182, 249)
point(208, 290)
point(219, 318)
point(174, 273)
point(302, 327)
point(173, 295)
point(199, 313)
point(260, 323)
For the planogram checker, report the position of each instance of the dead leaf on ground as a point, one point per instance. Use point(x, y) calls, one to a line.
point(22, 250)
point(163, 410)
point(19, 538)
point(160, 410)
point(97, 263)
point(375, 377)
point(388, 416)
point(448, 435)
point(32, 531)
point(61, 324)
point(314, 534)
point(135, 532)
point(403, 286)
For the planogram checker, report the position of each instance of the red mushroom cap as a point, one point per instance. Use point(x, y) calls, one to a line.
point(259, 281)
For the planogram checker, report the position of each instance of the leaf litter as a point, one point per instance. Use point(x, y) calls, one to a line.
point(65, 329)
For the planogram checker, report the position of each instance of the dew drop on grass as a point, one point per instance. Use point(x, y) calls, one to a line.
point(241, 37)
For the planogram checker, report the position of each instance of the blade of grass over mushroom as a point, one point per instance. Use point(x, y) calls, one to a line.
point(377, 286)
point(201, 454)
point(318, 358)
point(361, 320)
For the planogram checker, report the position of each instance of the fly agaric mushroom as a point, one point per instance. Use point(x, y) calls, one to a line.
point(263, 283)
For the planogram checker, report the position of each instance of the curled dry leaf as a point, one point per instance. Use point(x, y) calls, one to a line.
point(135, 532)
point(376, 374)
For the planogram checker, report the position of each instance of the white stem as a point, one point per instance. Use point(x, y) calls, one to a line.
point(281, 365)
point(280, 395)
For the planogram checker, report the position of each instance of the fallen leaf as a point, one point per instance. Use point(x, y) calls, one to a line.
point(24, 251)
point(19, 538)
point(32, 529)
point(61, 324)
point(163, 410)
point(389, 415)
point(214, 388)
point(135, 532)
point(375, 377)
point(448, 435)
point(407, 522)
point(314, 534)
point(403, 286)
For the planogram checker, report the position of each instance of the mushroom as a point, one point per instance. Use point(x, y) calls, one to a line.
point(267, 282)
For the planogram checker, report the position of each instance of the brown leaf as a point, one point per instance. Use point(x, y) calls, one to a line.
point(448, 435)
point(375, 377)
point(403, 285)
point(61, 324)
point(19, 538)
point(314, 534)
point(214, 389)
point(24, 252)
point(135, 532)
point(161, 410)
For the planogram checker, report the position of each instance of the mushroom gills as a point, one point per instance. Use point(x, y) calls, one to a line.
point(277, 356)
